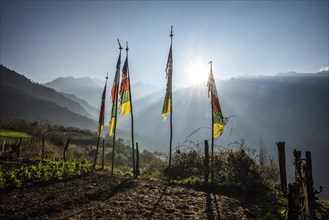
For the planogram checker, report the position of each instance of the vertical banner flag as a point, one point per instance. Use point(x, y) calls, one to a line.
point(167, 104)
point(102, 111)
point(114, 93)
point(219, 121)
point(125, 90)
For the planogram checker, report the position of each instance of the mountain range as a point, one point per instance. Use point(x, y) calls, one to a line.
point(22, 98)
point(290, 107)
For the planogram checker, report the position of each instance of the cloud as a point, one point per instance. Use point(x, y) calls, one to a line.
point(325, 68)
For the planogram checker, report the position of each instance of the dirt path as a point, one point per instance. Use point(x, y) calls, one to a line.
point(102, 196)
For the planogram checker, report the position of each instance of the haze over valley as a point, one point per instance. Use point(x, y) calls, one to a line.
point(285, 107)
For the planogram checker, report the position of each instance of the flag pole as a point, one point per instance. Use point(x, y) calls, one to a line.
point(115, 119)
point(99, 132)
point(212, 133)
point(95, 159)
point(132, 121)
point(171, 113)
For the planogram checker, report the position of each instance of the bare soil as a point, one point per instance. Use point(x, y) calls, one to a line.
point(101, 195)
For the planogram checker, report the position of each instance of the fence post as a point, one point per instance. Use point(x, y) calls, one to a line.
point(298, 165)
point(309, 184)
point(19, 148)
point(206, 163)
point(43, 148)
point(3, 147)
point(137, 161)
point(293, 201)
point(65, 148)
point(282, 166)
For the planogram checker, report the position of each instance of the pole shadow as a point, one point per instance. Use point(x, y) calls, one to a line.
point(209, 207)
point(157, 203)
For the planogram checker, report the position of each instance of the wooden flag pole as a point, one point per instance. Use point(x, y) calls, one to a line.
point(98, 137)
point(171, 113)
point(115, 120)
point(95, 159)
point(212, 133)
point(103, 155)
point(132, 120)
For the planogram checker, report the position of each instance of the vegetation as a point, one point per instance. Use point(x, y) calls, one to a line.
point(249, 175)
point(42, 172)
point(7, 134)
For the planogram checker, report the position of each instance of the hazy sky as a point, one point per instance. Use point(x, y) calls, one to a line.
point(47, 39)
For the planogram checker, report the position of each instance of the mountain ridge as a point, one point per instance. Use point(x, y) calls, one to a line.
point(25, 99)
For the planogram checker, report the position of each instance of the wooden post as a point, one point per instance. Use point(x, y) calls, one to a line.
point(206, 163)
point(282, 166)
point(309, 184)
point(43, 148)
point(19, 148)
point(3, 147)
point(65, 148)
point(293, 201)
point(308, 159)
point(137, 161)
point(103, 155)
point(298, 165)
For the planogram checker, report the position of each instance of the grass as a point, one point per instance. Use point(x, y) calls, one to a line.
point(7, 134)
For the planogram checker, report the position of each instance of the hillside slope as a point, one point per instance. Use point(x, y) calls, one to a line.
point(21, 98)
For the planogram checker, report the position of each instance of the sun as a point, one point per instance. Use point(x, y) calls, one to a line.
point(197, 71)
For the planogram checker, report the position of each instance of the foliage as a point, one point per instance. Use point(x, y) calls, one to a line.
point(185, 165)
point(13, 134)
point(273, 205)
point(322, 209)
point(42, 172)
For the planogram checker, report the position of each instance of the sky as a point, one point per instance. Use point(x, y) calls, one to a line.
point(47, 39)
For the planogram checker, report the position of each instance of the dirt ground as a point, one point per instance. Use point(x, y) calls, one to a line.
point(104, 196)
